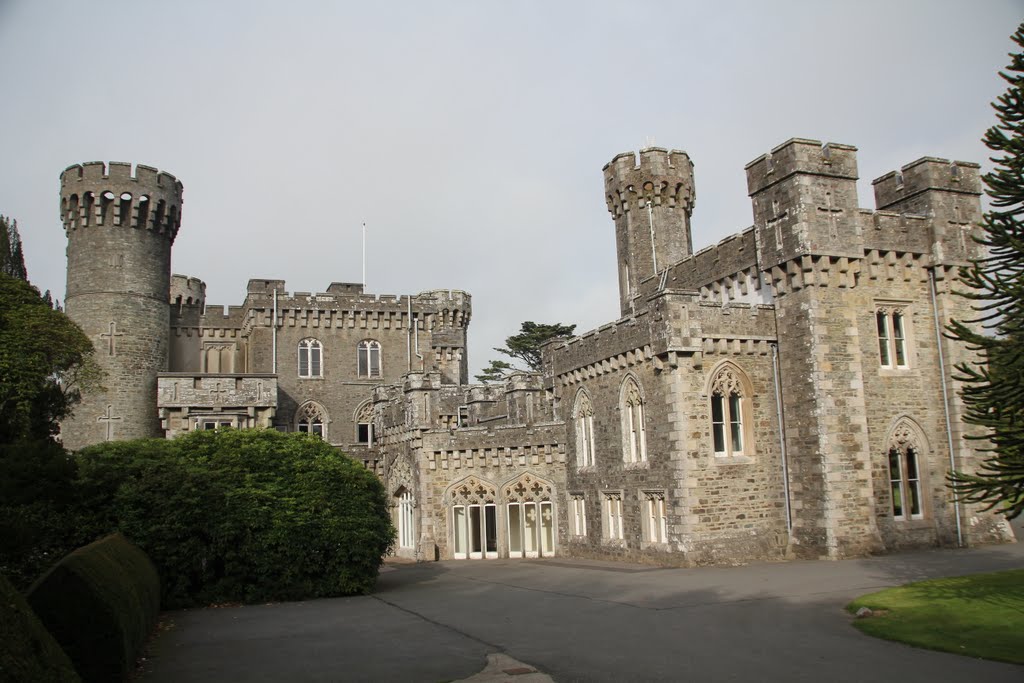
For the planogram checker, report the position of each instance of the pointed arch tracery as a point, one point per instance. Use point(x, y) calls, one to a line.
point(729, 392)
point(364, 423)
point(634, 425)
point(311, 418)
point(905, 447)
point(583, 419)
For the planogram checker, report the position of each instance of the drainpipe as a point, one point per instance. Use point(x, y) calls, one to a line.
point(650, 222)
point(782, 434)
point(273, 362)
point(945, 404)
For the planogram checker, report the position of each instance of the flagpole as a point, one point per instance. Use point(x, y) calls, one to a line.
point(364, 256)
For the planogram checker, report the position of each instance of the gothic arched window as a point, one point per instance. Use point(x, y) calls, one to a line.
point(311, 356)
point(368, 357)
point(634, 430)
point(731, 431)
point(364, 424)
point(311, 418)
point(905, 472)
point(583, 417)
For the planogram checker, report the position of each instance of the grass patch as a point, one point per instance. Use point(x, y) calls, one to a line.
point(981, 615)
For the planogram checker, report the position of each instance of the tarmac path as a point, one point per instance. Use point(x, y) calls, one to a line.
point(579, 621)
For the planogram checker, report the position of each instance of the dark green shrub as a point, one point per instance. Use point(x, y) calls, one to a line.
point(243, 515)
point(27, 650)
point(39, 515)
point(100, 603)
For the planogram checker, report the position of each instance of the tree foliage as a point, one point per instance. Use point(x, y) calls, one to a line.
point(225, 515)
point(12, 258)
point(45, 360)
point(994, 387)
point(524, 348)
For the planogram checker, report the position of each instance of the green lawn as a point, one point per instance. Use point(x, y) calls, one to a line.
point(979, 616)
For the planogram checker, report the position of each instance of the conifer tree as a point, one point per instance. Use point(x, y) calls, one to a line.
point(12, 259)
point(525, 348)
point(994, 387)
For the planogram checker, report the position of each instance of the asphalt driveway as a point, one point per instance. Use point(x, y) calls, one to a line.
point(580, 621)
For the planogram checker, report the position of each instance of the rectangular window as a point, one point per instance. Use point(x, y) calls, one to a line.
point(613, 516)
point(577, 515)
point(899, 340)
point(718, 422)
point(892, 338)
point(905, 484)
point(303, 361)
point(364, 433)
point(655, 522)
point(735, 423)
point(882, 323)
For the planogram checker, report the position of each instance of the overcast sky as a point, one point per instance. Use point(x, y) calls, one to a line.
point(468, 136)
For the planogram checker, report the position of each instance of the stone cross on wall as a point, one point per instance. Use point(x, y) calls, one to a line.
point(961, 225)
point(218, 393)
point(111, 337)
point(775, 222)
point(832, 213)
point(108, 420)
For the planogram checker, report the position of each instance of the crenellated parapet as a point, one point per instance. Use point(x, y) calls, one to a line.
point(804, 195)
point(95, 194)
point(661, 177)
point(187, 291)
point(803, 156)
point(650, 198)
point(947, 194)
point(906, 189)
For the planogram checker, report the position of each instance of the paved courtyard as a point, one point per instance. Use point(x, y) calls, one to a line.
point(580, 621)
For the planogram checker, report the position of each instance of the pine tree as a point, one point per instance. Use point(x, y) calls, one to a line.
point(994, 387)
point(525, 348)
point(12, 259)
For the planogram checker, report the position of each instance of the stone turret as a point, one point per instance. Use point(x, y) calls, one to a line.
point(946, 192)
point(651, 201)
point(120, 224)
point(805, 201)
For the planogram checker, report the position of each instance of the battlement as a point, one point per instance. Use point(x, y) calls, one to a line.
point(345, 288)
point(119, 171)
point(927, 173)
point(187, 291)
point(101, 194)
point(660, 176)
point(799, 155)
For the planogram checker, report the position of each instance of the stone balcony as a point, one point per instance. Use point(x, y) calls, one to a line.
point(189, 401)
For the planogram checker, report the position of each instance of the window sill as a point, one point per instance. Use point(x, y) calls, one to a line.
point(733, 459)
point(614, 542)
point(586, 469)
point(310, 379)
point(640, 465)
point(655, 545)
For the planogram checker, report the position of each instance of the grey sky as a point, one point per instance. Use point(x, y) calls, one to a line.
point(469, 136)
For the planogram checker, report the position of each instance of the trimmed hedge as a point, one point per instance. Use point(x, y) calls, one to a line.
point(100, 603)
point(27, 650)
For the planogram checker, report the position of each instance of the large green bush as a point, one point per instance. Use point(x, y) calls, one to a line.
point(27, 650)
point(242, 515)
point(100, 603)
point(39, 513)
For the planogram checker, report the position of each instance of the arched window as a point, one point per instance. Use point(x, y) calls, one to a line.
point(369, 358)
point(905, 445)
point(364, 424)
point(311, 356)
point(583, 417)
point(311, 418)
point(634, 431)
point(731, 431)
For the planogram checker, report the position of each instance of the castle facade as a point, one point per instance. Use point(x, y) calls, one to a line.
point(785, 393)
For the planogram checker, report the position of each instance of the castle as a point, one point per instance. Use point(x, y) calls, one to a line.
point(784, 393)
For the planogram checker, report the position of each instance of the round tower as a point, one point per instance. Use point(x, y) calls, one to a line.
point(120, 227)
point(651, 202)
